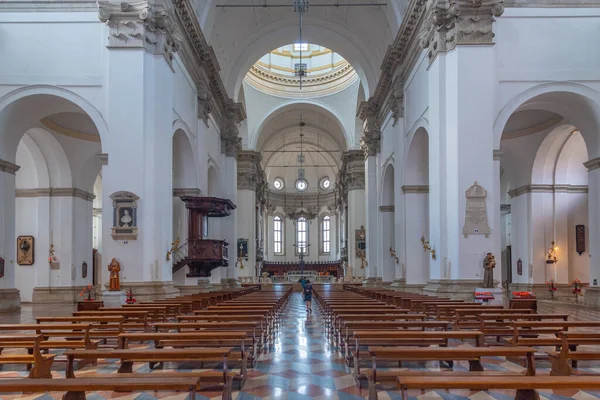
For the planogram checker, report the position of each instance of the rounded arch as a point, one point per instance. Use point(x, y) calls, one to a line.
point(285, 31)
point(34, 172)
point(575, 102)
point(310, 104)
point(29, 104)
point(213, 187)
point(387, 183)
point(185, 170)
point(416, 171)
point(55, 160)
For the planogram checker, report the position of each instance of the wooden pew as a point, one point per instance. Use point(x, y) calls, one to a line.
point(467, 318)
point(525, 386)
point(102, 327)
point(75, 388)
point(530, 333)
point(72, 336)
point(569, 341)
point(471, 354)
point(408, 338)
point(206, 339)
point(500, 324)
point(42, 363)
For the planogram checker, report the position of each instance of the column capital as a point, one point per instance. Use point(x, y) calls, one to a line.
point(250, 175)
point(371, 140)
point(449, 23)
point(204, 100)
point(352, 172)
point(231, 142)
point(140, 24)
point(9, 167)
point(396, 100)
point(592, 164)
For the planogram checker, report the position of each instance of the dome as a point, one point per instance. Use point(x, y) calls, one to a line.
point(326, 72)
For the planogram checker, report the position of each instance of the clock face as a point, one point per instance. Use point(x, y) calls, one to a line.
point(301, 185)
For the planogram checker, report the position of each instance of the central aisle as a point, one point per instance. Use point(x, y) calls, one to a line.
point(301, 363)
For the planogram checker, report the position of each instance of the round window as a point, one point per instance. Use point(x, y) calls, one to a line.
point(278, 184)
point(325, 183)
point(301, 185)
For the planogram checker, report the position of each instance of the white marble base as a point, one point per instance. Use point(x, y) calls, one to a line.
point(498, 294)
point(113, 299)
point(10, 300)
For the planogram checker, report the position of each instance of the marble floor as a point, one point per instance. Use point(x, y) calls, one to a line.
point(302, 363)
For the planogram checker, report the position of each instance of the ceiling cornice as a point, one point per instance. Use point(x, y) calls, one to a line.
point(400, 57)
point(202, 64)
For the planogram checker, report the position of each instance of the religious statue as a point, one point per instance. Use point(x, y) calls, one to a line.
point(114, 267)
point(126, 219)
point(489, 263)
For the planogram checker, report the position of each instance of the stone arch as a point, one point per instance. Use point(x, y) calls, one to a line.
point(312, 103)
point(30, 104)
point(387, 223)
point(578, 104)
point(185, 165)
point(282, 32)
point(213, 187)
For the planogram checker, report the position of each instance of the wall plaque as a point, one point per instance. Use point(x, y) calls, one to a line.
point(25, 250)
point(1, 267)
point(124, 216)
point(242, 248)
point(361, 242)
point(476, 221)
point(580, 239)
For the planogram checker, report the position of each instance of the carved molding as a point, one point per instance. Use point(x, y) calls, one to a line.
point(9, 167)
point(55, 192)
point(141, 24)
point(351, 175)
point(201, 62)
point(591, 165)
point(180, 192)
point(415, 189)
point(541, 188)
point(450, 23)
point(386, 209)
point(231, 142)
point(249, 171)
point(371, 140)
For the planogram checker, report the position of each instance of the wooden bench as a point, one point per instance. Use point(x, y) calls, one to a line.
point(207, 339)
point(73, 336)
point(75, 388)
point(530, 333)
point(525, 386)
point(408, 338)
point(471, 354)
point(39, 364)
point(467, 318)
point(500, 324)
point(570, 341)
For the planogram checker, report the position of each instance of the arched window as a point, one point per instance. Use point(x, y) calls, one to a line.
point(277, 235)
point(326, 234)
point(302, 236)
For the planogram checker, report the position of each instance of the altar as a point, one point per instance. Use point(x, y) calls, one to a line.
point(291, 272)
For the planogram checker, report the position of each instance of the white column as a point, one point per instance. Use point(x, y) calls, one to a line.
point(356, 220)
point(140, 117)
point(496, 217)
point(246, 228)
point(228, 224)
point(8, 294)
point(417, 225)
point(372, 217)
point(593, 167)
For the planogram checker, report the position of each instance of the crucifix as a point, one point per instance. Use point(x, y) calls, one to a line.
point(301, 250)
point(301, 7)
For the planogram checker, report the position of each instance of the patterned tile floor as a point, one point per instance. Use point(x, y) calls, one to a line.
point(302, 363)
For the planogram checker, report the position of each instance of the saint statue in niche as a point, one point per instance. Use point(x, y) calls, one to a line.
point(489, 263)
point(114, 284)
point(126, 219)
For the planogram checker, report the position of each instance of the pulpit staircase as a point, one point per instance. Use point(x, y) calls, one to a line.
point(180, 258)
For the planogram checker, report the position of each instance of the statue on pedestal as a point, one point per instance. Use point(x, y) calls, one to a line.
point(489, 263)
point(114, 284)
